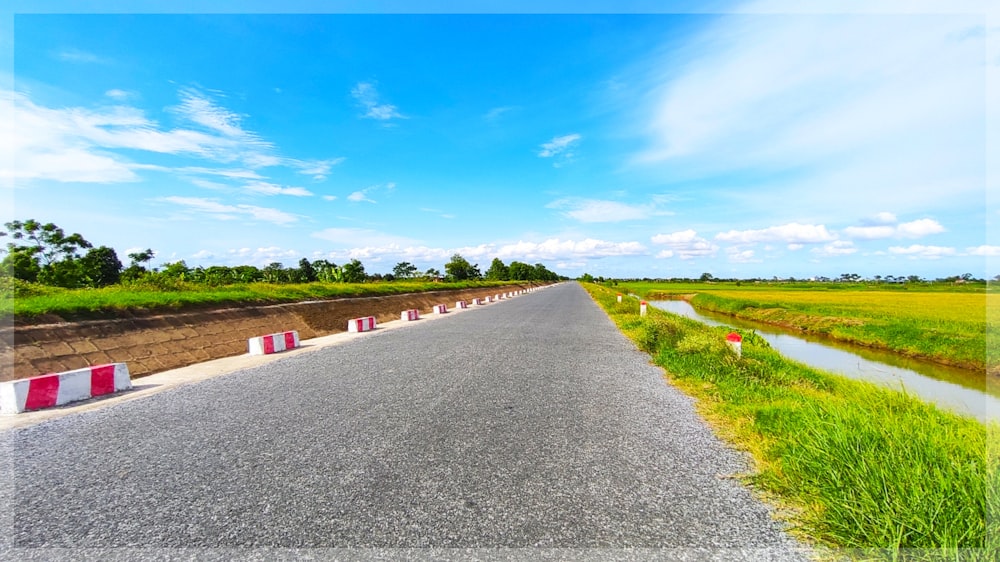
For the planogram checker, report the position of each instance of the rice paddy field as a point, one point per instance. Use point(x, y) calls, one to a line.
point(949, 325)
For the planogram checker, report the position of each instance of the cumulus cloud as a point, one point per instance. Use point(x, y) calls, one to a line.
point(792, 233)
point(987, 251)
point(913, 229)
point(737, 255)
point(685, 244)
point(925, 252)
point(837, 248)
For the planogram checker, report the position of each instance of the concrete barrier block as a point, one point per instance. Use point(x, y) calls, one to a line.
point(273, 343)
point(440, 309)
point(409, 315)
point(365, 324)
point(461, 304)
point(56, 389)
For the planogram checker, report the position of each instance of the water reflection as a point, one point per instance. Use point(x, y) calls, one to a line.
point(960, 390)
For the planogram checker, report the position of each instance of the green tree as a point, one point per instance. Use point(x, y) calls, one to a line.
point(498, 271)
point(587, 278)
point(404, 270)
point(101, 267)
point(432, 273)
point(306, 272)
point(354, 272)
point(46, 241)
point(520, 271)
point(459, 269)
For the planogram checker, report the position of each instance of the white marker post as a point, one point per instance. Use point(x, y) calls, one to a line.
point(642, 308)
point(736, 341)
point(619, 297)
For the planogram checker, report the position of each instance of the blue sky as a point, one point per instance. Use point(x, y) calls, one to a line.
point(739, 139)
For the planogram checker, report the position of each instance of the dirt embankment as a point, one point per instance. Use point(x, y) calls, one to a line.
point(154, 343)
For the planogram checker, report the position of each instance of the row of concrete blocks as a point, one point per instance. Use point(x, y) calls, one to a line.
point(274, 343)
point(57, 389)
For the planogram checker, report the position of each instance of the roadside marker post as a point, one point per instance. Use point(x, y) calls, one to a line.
point(409, 315)
point(365, 324)
point(440, 309)
point(736, 342)
point(461, 304)
point(619, 297)
point(273, 343)
point(642, 308)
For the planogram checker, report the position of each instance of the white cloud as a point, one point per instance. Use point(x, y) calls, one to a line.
point(77, 144)
point(359, 196)
point(870, 110)
point(792, 233)
point(795, 247)
point(736, 255)
point(919, 251)
point(368, 97)
point(914, 229)
point(560, 147)
point(221, 211)
point(117, 94)
point(363, 195)
point(837, 248)
point(594, 210)
point(919, 228)
point(318, 169)
point(881, 218)
point(260, 256)
point(203, 255)
point(987, 251)
point(78, 56)
point(685, 244)
point(330, 197)
point(273, 189)
point(870, 232)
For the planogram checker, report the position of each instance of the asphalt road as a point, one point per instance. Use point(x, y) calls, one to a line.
point(521, 428)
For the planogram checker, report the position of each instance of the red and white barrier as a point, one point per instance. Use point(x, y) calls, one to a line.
point(497, 297)
point(461, 304)
point(736, 342)
point(408, 315)
point(477, 302)
point(365, 324)
point(489, 299)
point(56, 389)
point(440, 309)
point(642, 308)
point(273, 343)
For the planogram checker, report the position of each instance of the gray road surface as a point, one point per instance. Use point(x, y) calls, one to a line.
point(524, 429)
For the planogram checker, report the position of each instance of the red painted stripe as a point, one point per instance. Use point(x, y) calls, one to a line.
point(102, 380)
point(289, 340)
point(268, 344)
point(42, 392)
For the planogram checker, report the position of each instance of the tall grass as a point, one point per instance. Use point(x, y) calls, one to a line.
point(851, 465)
point(29, 300)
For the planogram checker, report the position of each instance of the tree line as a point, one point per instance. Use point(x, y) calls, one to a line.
point(45, 254)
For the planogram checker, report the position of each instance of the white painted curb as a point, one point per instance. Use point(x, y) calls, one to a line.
point(56, 389)
point(408, 315)
point(273, 343)
point(365, 324)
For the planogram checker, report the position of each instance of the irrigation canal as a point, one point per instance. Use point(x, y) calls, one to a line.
point(960, 390)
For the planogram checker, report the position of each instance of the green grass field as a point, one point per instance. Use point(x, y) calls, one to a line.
point(25, 301)
point(947, 324)
point(851, 465)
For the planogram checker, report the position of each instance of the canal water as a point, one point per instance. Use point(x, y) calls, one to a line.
point(960, 390)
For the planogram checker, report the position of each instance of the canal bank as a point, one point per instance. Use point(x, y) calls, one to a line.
point(961, 390)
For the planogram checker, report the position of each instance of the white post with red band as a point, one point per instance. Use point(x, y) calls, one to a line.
point(440, 309)
point(365, 324)
point(642, 308)
point(273, 343)
point(477, 302)
point(408, 315)
point(461, 304)
point(736, 342)
point(56, 389)
point(619, 297)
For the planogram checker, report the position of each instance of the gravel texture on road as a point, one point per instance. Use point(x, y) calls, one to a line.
point(528, 427)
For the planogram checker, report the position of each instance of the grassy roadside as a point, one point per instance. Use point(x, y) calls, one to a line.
point(26, 301)
point(949, 327)
point(852, 465)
